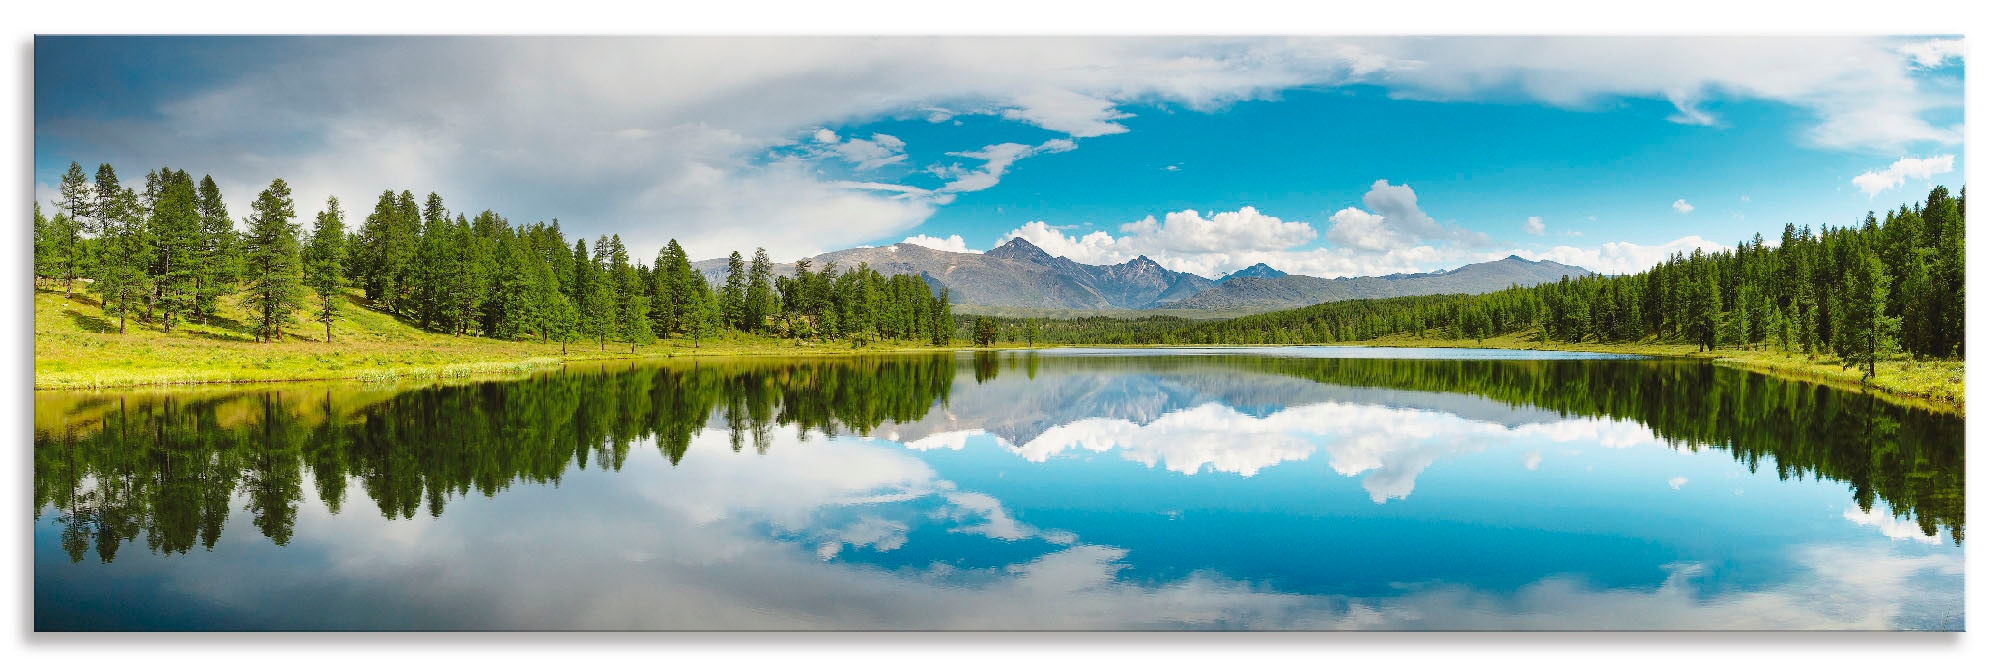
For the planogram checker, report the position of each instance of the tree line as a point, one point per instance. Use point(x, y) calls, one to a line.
point(1888, 285)
point(169, 253)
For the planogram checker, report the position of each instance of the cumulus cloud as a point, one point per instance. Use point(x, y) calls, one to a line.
point(1396, 222)
point(1387, 446)
point(539, 128)
point(1874, 182)
point(1535, 227)
point(952, 243)
point(1398, 237)
point(1932, 53)
point(1619, 257)
point(1681, 206)
point(1891, 526)
point(1677, 482)
point(1184, 240)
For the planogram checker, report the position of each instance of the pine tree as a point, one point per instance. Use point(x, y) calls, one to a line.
point(325, 258)
point(758, 297)
point(120, 264)
point(673, 289)
point(1869, 333)
point(563, 322)
point(523, 289)
point(271, 257)
point(44, 245)
point(218, 263)
point(70, 253)
point(406, 244)
point(176, 225)
point(547, 300)
point(704, 314)
point(636, 325)
point(597, 311)
point(734, 286)
point(435, 268)
point(985, 331)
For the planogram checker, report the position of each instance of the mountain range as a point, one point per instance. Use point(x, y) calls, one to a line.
point(1018, 274)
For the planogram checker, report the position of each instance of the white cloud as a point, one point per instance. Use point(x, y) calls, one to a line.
point(952, 243)
point(1860, 89)
point(1891, 526)
point(1932, 53)
point(1681, 206)
point(1874, 182)
point(1396, 222)
point(1619, 258)
point(1182, 240)
point(1532, 461)
point(721, 540)
point(997, 158)
point(1391, 446)
point(867, 154)
point(1398, 237)
point(1677, 482)
point(540, 128)
point(1535, 227)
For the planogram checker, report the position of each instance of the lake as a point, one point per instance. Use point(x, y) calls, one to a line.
point(1265, 488)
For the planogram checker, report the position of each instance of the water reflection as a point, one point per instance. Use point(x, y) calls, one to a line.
point(819, 525)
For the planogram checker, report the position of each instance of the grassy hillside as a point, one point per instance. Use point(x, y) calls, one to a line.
point(77, 347)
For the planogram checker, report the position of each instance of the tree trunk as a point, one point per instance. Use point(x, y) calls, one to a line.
point(329, 332)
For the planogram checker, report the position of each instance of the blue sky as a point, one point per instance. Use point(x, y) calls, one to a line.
point(1326, 156)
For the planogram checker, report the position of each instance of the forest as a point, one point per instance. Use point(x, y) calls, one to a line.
point(1890, 285)
point(166, 253)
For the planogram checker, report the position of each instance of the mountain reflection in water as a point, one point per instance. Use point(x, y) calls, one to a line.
point(878, 467)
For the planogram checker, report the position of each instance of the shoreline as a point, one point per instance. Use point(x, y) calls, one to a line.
point(1797, 368)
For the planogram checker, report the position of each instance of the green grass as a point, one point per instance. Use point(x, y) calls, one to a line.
point(78, 347)
point(1937, 385)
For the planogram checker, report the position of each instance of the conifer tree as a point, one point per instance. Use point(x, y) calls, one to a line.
point(271, 260)
point(120, 264)
point(1869, 332)
point(69, 256)
point(597, 312)
point(636, 326)
point(217, 262)
point(758, 296)
point(176, 224)
point(325, 258)
point(734, 284)
point(703, 315)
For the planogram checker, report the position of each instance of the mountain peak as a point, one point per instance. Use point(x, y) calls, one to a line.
point(1143, 260)
point(1261, 270)
point(1019, 248)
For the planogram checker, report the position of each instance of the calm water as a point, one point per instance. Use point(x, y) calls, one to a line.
point(1252, 489)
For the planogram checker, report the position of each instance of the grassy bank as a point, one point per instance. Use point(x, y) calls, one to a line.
point(1938, 385)
point(77, 347)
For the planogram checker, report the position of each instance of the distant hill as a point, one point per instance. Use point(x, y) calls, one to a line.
point(1020, 275)
point(1292, 291)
